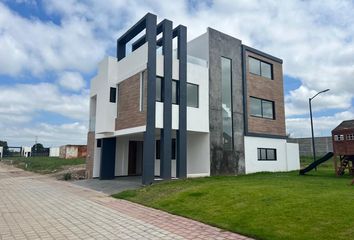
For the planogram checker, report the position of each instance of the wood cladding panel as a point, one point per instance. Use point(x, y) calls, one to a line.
point(128, 112)
point(268, 89)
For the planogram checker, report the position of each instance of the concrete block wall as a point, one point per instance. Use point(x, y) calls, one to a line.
point(323, 145)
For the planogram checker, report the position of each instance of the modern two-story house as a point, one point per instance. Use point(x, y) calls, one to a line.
point(166, 108)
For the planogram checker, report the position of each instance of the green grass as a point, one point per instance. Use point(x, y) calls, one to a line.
point(43, 165)
point(263, 205)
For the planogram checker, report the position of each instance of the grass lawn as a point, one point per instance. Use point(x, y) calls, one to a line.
point(318, 205)
point(44, 164)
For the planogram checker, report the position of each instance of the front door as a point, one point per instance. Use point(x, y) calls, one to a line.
point(135, 158)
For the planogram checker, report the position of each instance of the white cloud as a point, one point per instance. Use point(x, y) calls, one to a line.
point(34, 46)
point(27, 99)
point(71, 80)
point(301, 127)
point(314, 38)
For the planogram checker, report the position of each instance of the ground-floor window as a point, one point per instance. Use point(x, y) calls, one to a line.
point(267, 154)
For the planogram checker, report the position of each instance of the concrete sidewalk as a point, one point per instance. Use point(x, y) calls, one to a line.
point(37, 207)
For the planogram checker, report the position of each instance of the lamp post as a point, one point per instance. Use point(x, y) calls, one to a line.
point(313, 137)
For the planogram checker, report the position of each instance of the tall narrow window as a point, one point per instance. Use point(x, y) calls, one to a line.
point(141, 102)
point(226, 103)
point(158, 89)
point(112, 94)
point(175, 92)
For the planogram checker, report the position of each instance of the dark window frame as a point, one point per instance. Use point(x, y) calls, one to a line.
point(260, 68)
point(113, 94)
point(161, 93)
point(259, 155)
point(173, 149)
point(264, 100)
point(177, 92)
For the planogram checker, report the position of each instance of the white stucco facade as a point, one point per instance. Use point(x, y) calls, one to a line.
point(26, 151)
point(287, 155)
point(54, 152)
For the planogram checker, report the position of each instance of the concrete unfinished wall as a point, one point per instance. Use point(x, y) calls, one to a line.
point(323, 145)
point(225, 162)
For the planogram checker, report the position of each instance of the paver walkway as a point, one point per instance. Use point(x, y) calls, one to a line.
point(37, 207)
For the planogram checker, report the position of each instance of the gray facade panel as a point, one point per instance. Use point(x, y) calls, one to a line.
point(225, 162)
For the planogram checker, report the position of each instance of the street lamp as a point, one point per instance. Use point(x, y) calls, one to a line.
point(313, 138)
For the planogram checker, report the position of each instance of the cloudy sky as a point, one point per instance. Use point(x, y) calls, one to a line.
point(49, 51)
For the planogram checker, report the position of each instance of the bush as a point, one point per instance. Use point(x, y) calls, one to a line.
point(67, 176)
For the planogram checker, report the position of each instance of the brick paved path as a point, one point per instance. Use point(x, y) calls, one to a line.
point(37, 207)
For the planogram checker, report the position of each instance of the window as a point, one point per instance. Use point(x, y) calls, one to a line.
point(341, 137)
point(99, 143)
point(192, 95)
point(226, 103)
point(260, 68)
point(262, 108)
point(158, 89)
point(175, 92)
point(141, 102)
point(173, 150)
point(267, 154)
point(350, 136)
point(112, 94)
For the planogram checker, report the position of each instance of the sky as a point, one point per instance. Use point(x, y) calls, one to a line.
point(50, 49)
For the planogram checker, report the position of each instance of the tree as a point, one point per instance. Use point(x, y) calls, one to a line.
point(5, 147)
point(37, 148)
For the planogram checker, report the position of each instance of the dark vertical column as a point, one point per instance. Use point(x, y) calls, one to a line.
point(166, 141)
point(182, 130)
point(149, 136)
point(108, 158)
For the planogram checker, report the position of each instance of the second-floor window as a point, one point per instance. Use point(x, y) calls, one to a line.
point(192, 93)
point(260, 68)
point(262, 108)
point(112, 94)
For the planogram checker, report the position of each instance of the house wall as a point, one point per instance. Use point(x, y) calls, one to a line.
point(71, 152)
point(292, 156)
point(197, 118)
point(287, 155)
point(96, 161)
point(265, 88)
point(54, 152)
point(225, 162)
point(91, 143)
point(344, 147)
point(128, 104)
point(62, 152)
point(1, 152)
point(100, 88)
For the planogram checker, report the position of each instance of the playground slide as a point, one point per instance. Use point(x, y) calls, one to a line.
point(316, 163)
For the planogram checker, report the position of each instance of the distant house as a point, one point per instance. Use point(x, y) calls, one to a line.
point(1, 152)
point(26, 151)
point(72, 151)
point(54, 152)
